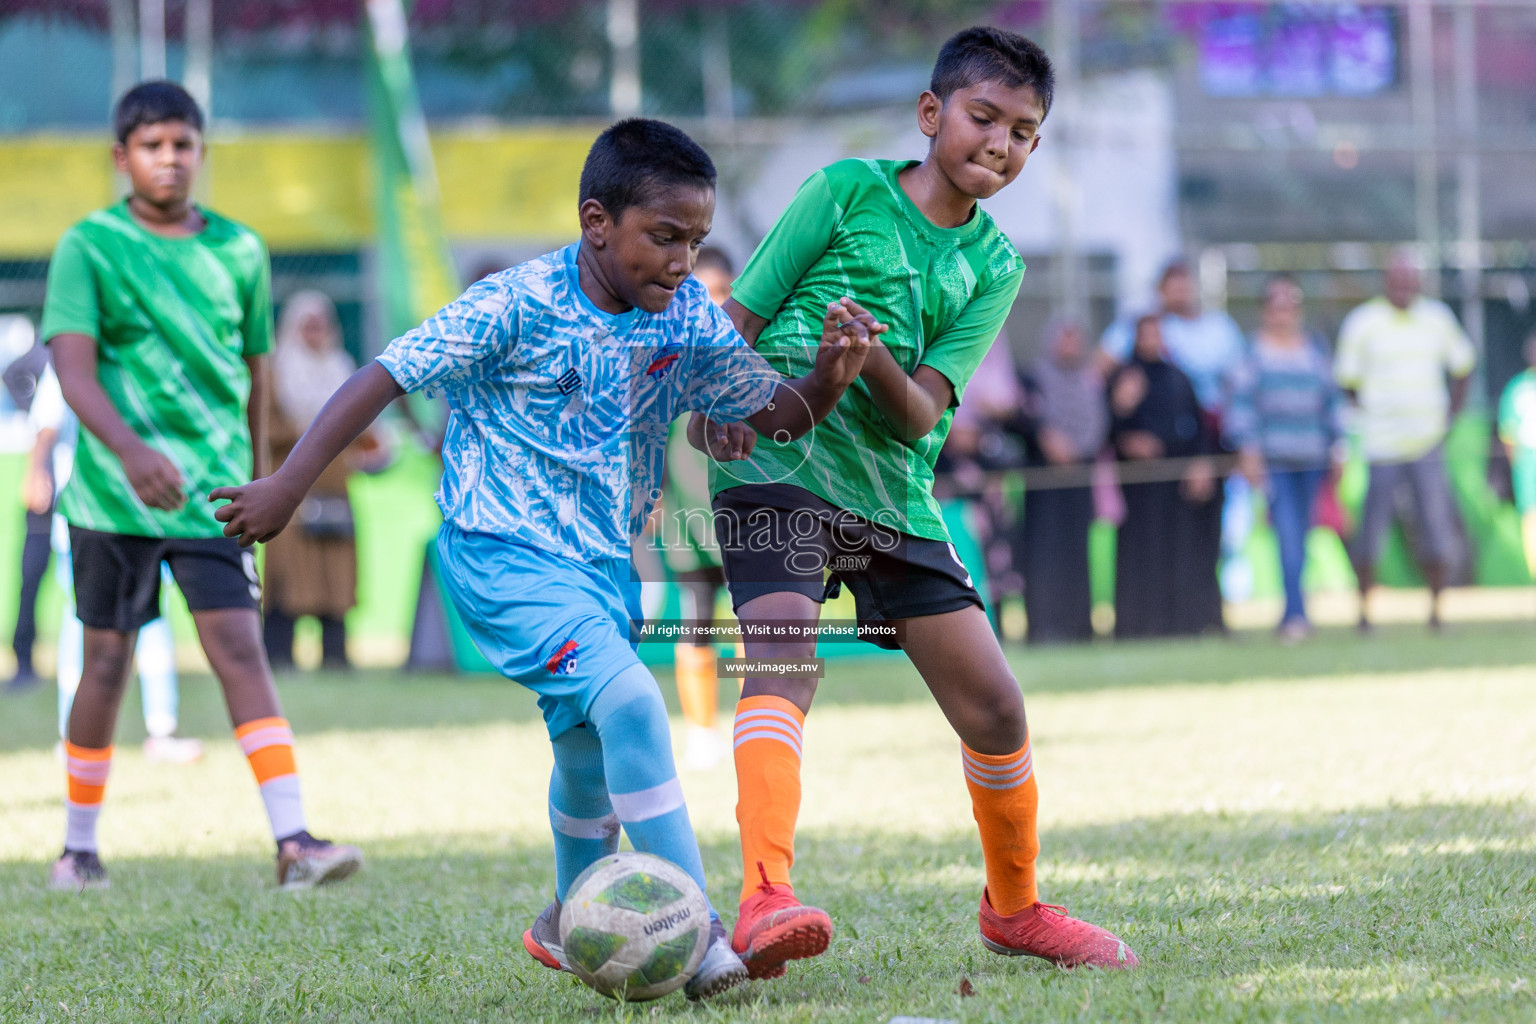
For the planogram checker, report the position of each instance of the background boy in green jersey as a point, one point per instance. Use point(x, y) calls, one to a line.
point(1517, 429)
point(159, 315)
point(907, 240)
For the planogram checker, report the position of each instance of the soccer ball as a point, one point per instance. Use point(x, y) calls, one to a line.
point(634, 926)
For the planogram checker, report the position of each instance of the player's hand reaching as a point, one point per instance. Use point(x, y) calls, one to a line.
point(257, 511)
point(153, 477)
point(846, 332)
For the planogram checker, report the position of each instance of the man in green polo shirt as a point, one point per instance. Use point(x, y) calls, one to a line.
point(159, 317)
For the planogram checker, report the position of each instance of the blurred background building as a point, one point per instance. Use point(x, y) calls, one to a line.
point(1251, 137)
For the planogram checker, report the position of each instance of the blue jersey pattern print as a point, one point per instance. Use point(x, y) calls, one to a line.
point(558, 412)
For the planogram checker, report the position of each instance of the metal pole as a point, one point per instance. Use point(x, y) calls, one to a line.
point(1426, 169)
point(624, 41)
point(1468, 174)
point(1072, 297)
point(719, 101)
point(124, 56)
point(197, 75)
point(152, 38)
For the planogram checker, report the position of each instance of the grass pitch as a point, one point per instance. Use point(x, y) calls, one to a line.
point(1340, 831)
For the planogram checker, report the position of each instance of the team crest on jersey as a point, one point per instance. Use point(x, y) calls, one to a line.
point(664, 361)
point(564, 661)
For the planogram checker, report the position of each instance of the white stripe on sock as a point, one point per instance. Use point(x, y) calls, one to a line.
point(766, 716)
point(285, 805)
point(269, 736)
point(584, 828)
point(792, 742)
point(80, 825)
point(645, 804)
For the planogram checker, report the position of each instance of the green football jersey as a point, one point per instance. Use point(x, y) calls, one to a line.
point(173, 319)
point(945, 293)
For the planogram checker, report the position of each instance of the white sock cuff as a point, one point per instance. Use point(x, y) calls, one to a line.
point(285, 805)
point(80, 825)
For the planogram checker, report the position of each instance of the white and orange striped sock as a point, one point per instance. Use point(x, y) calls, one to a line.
point(87, 768)
point(268, 745)
point(1005, 802)
point(767, 746)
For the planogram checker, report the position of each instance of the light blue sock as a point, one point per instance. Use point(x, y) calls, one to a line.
point(631, 721)
point(582, 819)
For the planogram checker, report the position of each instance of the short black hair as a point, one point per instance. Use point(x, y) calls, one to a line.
point(151, 103)
point(714, 256)
point(637, 159)
point(987, 54)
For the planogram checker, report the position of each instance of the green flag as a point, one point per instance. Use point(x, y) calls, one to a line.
point(416, 272)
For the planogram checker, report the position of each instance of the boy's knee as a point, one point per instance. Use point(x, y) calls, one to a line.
point(996, 721)
point(107, 657)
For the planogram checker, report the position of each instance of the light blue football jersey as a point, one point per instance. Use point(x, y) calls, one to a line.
point(558, 412)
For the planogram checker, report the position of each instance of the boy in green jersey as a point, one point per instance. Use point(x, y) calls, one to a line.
point(1517, 429)
point(851, 504)
point(159, 316)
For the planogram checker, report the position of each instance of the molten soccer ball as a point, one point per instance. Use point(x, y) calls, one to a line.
point(634, 926)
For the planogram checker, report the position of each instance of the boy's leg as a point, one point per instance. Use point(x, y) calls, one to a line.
point(958, 657)
point(117, 588)
point(584, 826)
point(218, 579)
point(773, 926)
point(88, 754)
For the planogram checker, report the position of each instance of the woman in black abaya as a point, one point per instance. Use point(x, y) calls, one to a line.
point(1165, 572)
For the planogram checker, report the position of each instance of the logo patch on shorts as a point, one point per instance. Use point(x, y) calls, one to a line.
point(564, 661)
point(664, 361)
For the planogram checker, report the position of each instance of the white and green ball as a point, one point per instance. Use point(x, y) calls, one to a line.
point(634, 926)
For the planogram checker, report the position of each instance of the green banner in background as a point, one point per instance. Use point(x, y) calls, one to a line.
point(416, 275)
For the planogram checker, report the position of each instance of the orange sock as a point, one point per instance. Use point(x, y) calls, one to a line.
point(698, 687)
point(1005, 802)
point(767, 742)
point(268, 746)
point(87, 768)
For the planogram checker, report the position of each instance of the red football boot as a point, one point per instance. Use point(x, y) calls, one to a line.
point(773, 928)
point(1047, 932)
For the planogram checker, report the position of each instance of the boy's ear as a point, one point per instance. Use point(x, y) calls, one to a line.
point(120, 157)
point(595, 223)
point(929, 106)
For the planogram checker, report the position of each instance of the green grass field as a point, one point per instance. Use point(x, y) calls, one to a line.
point(1340, 831)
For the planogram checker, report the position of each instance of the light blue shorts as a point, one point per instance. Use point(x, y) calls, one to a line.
point(560, 627)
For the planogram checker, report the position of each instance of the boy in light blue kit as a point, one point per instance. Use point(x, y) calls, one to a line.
point(561, 376)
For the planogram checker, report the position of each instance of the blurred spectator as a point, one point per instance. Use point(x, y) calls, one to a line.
point(311, 566)
point(978, 447)
point(693, 561)
point(1165, 567)
point(1517, 429)
point(1405, 362)
point(1284, 420)
point(1065, 423)
point(25, 363)
point(1206, 344)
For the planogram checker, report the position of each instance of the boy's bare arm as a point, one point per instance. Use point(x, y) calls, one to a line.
point(258, 413)
point(153, 476)
point(259, 510)
point(748, 324)
point(912, 405)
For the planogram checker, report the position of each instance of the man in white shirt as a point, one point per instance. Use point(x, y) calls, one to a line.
point(1405, 362)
